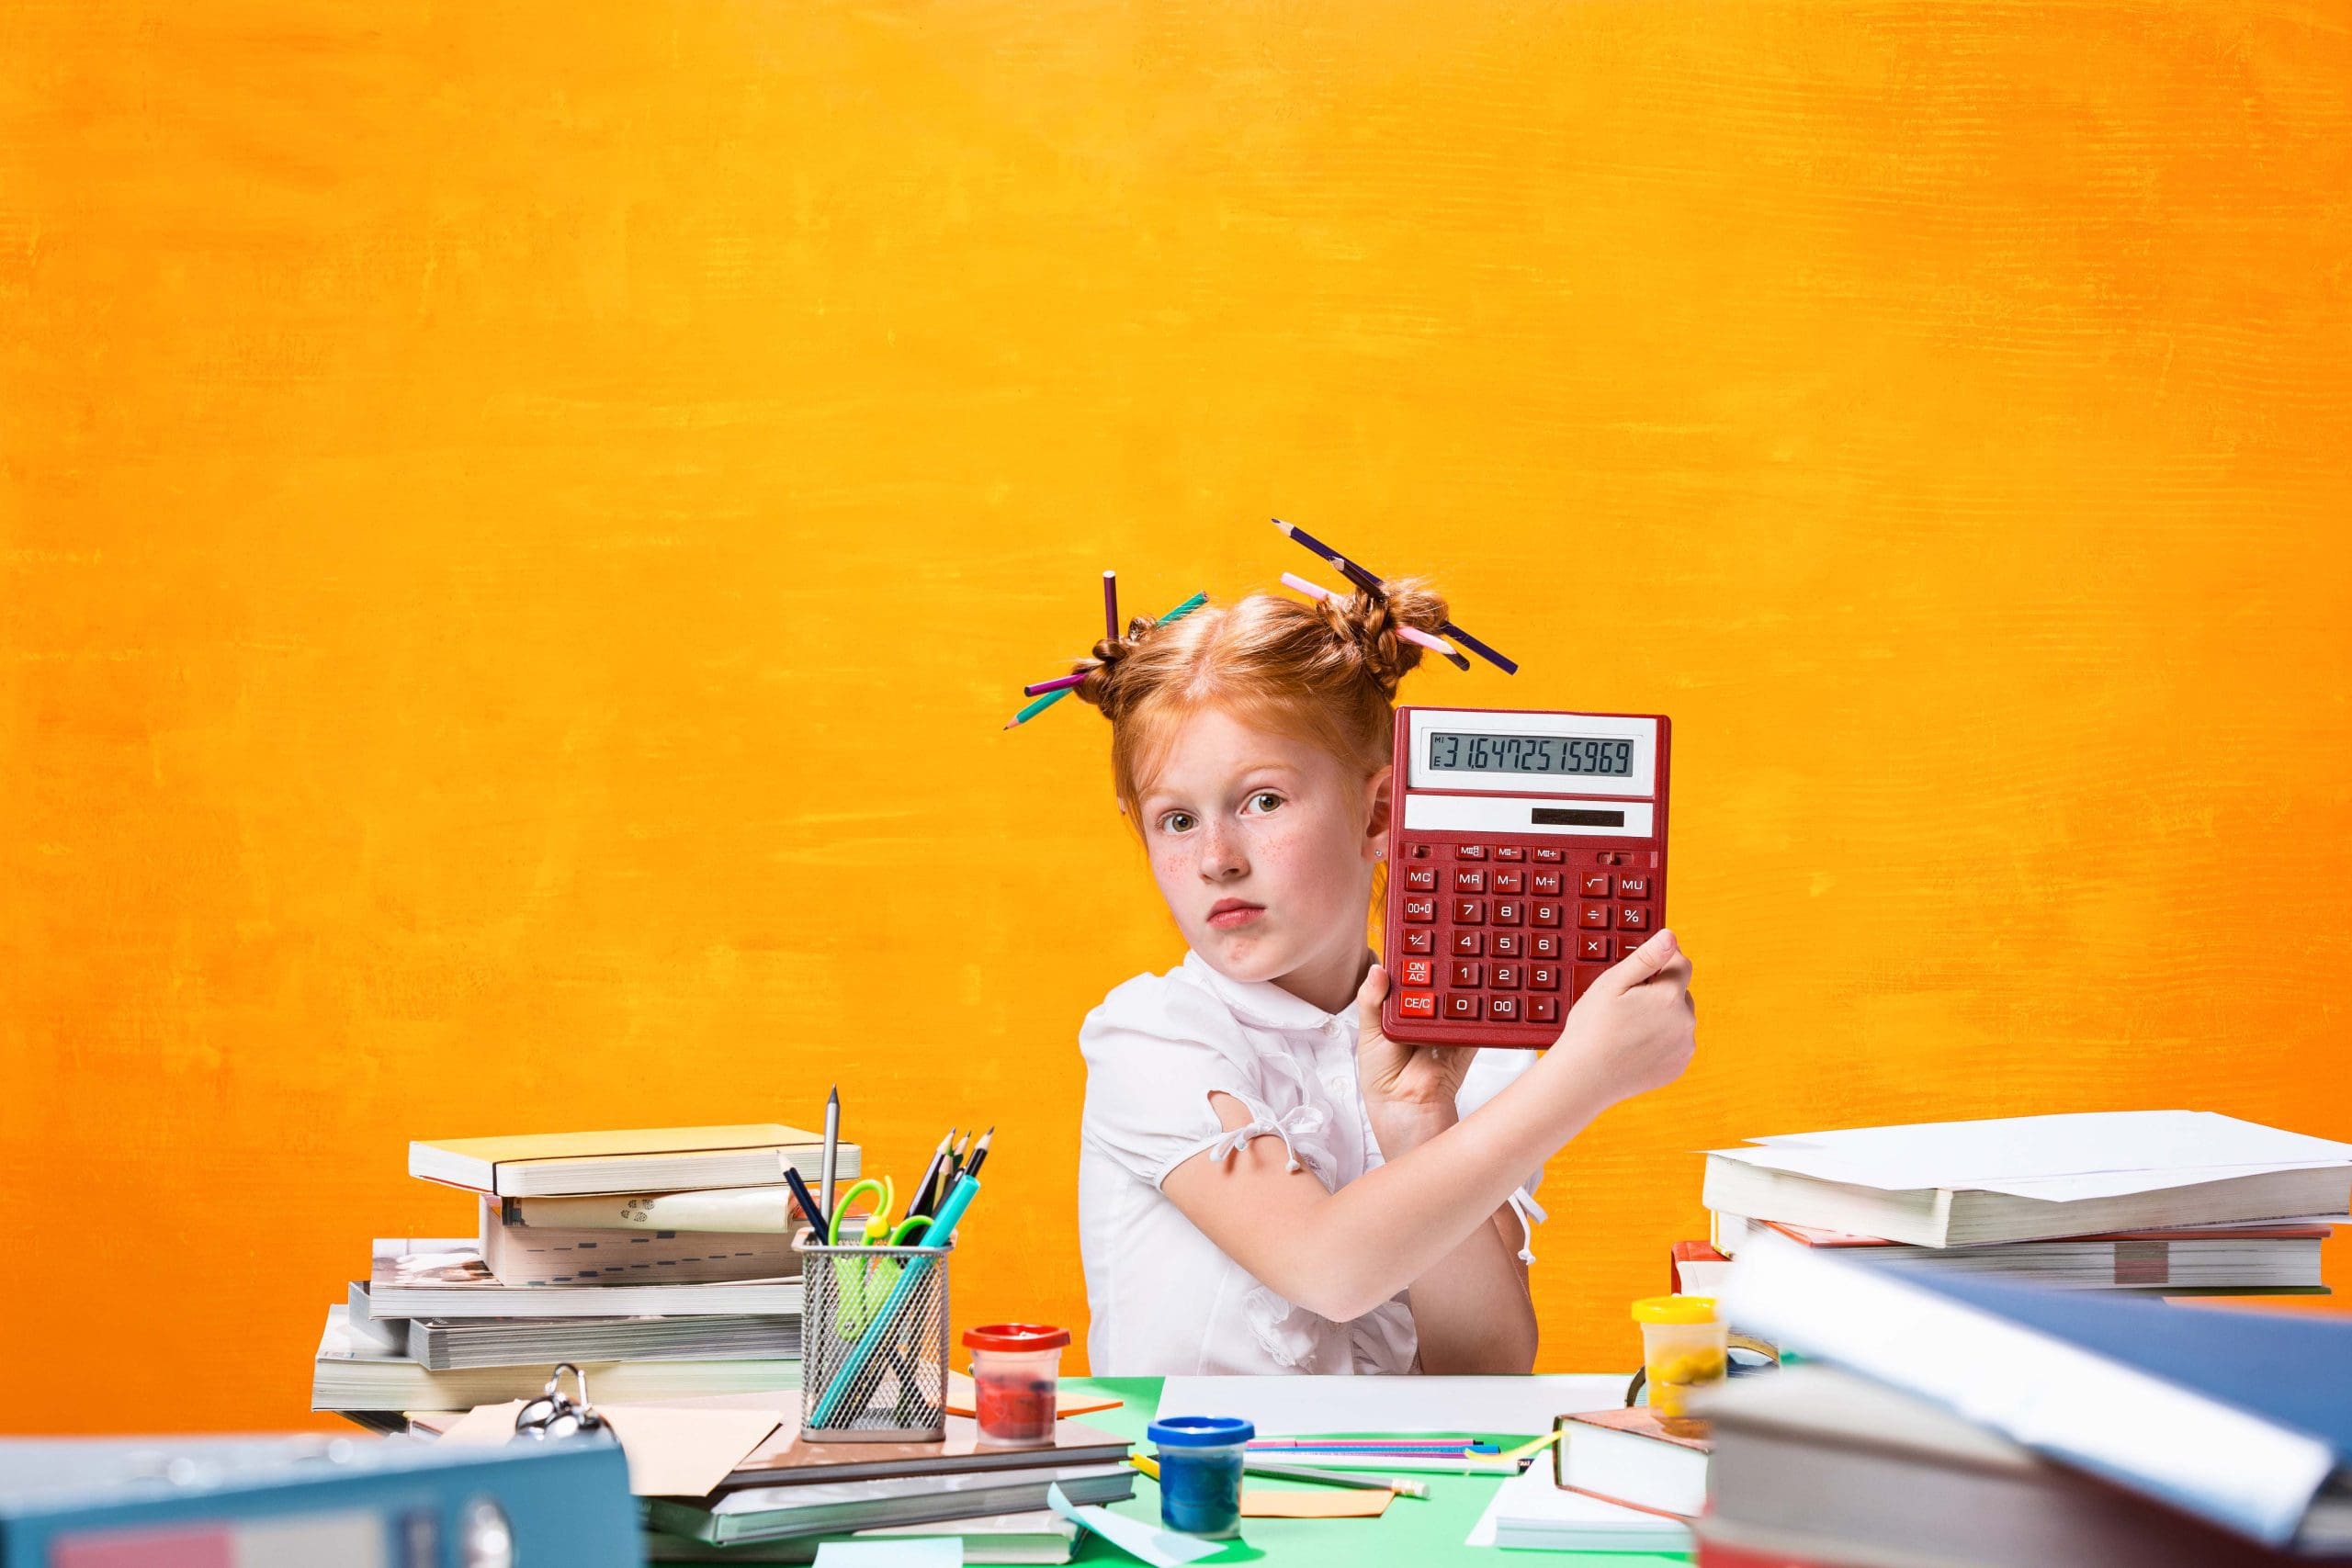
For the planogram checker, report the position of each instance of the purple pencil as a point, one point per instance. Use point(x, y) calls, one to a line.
point(1110, 606)
point(1059, 683)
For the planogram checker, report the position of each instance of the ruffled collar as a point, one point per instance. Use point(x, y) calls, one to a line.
point(1261, 1002)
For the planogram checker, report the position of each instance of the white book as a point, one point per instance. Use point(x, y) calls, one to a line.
point(350, 1376)
point(457, 1284)
point(644, 1160)
point(2025, 1179)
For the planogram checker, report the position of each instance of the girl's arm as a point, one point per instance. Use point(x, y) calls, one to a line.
point(1341, 1254)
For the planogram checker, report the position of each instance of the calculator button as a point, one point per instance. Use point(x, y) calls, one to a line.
point(1420, 878)
point(1550, 856)
point(1461, 1004)
point(1469, 911)
point(1596, 886)
point(1593, 948)
point(1418, 1004)
point(1419, 911)
point(1469, 945)
point(1507, 945)
point(1509, 911)
point(1543, 944)
point(1459, 973)
point(1417, 851)
point(1507, 976)
point(1470, 879)
point(1633, 918)
point(1594, 917)
point(1513, 882)
point(1632, 887)
point(1416, 972)
point(1510, 852)
point(1547, 884)
point(1543, 1010)
point(1469, 852)
point(1503, 1009)
point(1543, 976)
point(1420, 942)
point(1585, 974)
point(1543, 914)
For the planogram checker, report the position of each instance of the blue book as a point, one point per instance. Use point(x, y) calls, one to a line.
point(348, 1502)
point(2242, 1417)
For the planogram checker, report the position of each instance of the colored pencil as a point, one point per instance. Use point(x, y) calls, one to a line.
point(1059, 683)
point(819, 1216)
point(979, 1153)
point(1050, 698)
point(1111, 606)
point(1365, 579)
point(919, 1201)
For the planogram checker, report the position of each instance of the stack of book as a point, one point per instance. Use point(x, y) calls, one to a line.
point(2168, 1203)
point(2086, 1207)
point(1951, 1422)
point(660, 1261)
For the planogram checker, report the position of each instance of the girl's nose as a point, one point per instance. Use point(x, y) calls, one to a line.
point(1221, 858)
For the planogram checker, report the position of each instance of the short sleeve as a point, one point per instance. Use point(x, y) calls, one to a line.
point(1155, 1051)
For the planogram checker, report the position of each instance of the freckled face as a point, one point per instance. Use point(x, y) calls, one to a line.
point(1262, 846)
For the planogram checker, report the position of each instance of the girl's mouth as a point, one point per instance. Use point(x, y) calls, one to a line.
point(1231, 913)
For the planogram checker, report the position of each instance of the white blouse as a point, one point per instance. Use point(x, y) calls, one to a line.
point(1164, 1299)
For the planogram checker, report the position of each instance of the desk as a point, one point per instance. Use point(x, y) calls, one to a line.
point(1413, 1532)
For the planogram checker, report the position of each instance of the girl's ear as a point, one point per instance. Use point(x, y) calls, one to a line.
point(1379, 800)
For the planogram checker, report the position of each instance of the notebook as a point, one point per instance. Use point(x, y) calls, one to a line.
point(455, 1343)
point(2206, 1261)
point(1626, 1456)
point(655, 1159)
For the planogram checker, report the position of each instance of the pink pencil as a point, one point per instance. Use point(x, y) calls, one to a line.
point(1435, 644)
point(1061, 683)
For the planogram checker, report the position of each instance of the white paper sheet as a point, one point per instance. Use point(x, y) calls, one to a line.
point(1297, 1406)
point(927, 1552)
point(1530, 1496)
point(1161, 1548)
point(2060, 1159)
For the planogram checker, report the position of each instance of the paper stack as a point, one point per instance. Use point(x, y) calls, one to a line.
point(2163, 1202)
point(658, 1261)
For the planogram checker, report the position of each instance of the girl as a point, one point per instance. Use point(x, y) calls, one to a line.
point(1266, 1183)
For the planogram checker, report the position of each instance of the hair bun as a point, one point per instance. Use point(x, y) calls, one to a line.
point(1367, 623)
point(1100, 685)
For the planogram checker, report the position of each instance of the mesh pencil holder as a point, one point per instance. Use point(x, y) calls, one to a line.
point(873, 1344)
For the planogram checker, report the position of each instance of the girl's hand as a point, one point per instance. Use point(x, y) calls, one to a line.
point(1409, 1090)
point(1638, 1024)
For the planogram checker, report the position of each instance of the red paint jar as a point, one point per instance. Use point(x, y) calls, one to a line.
point(1016, 1372)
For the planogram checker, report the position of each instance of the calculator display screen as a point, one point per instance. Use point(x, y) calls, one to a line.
point(1597, 755)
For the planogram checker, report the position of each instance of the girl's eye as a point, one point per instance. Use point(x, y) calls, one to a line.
point(1266, 794)
point(1176, 822)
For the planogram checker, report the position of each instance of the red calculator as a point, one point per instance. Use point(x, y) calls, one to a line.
point(1526, 854)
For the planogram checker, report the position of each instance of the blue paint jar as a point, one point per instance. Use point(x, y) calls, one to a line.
point(1199, 1471)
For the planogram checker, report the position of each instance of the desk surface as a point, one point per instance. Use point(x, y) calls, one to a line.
point(1412, 1532)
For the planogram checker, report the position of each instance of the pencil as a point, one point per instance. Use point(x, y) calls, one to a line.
point(1364, 579)
point(919, 1202)
point(1050, 698)
point(1410, 634)
point(1058, 682)
point(1111, 606)
point(832, 1149)
point(979, 1153)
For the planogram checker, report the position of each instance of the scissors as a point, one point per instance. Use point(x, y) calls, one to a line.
point(859, 1293)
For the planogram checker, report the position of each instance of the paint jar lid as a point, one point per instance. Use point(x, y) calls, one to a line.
point(1201, 1431)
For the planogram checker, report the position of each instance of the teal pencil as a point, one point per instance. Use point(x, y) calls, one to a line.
point(1050, 698)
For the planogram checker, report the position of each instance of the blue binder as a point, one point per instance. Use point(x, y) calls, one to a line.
point(343, 1502)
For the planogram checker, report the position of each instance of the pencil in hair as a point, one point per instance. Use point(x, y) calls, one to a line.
point(1058, 682)
point(1362, 579)
point(1111, 606)
point(1050, 698)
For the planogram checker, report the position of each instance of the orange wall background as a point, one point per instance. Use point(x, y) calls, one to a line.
point(519, 528)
